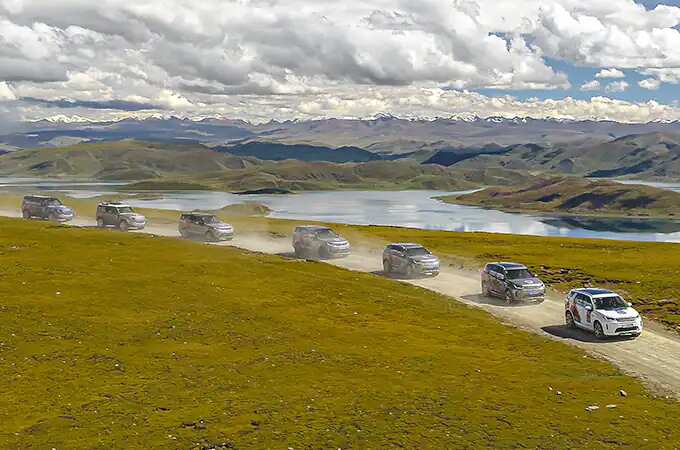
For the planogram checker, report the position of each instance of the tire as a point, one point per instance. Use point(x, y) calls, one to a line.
point(508, 297)
point(387, 267)
point(599, 332)
point(410, 271)
point(123, 226)
point(485, 290)
point(569, 320)
point(210, 236)
point(323, 253)
point(25, 214)
point(298, 252)
point(100, 223)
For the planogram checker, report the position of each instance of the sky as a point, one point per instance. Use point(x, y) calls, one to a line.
point(259, 60)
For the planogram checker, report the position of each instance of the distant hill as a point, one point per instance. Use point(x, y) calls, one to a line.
point(568, 195)
point(384, 135)
point(278, 152)
point(122, 160)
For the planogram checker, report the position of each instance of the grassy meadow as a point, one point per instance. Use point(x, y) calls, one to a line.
point(113, 340)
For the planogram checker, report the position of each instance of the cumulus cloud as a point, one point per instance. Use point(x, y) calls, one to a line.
point(610, 73)
point(274, 57)
point(616, 86)
point(650, 84)
point(592, 85)
point(6, 92)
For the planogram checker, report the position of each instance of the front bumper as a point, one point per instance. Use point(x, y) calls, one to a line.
point(623, 328)
point(529, 295)
point(136, 225)
point(338, 252)
point(224, 235)
point(64, 217)
point(427, 271)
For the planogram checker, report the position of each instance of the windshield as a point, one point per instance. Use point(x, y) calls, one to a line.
point(125, 209)
point(326, 234)
point(209, 219)
point(417, 251)
point(609, 303)
point(53, 202)
point(519, 274)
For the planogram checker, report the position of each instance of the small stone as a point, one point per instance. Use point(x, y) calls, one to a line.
point(623, 393)
point(612, 406)
point(559, 392)
point(592, 408)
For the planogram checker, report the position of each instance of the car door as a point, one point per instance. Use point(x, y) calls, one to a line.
point(495, 275)
point(110, 216)
point(584, 307)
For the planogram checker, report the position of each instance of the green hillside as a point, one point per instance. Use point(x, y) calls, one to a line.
point(213, 347)
point(577, 196)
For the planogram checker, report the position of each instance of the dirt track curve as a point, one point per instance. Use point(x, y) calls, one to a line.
point(654, 357)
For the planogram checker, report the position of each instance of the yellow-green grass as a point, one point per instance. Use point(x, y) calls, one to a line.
point(113, 340)
point(647, 273)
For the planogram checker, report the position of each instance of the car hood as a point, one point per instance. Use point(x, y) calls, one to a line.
point(336, 241)
point(221, 226)
point(134, 216)
point(527, 282)
point(620, 313)
point(61, 209)
point(425, 259)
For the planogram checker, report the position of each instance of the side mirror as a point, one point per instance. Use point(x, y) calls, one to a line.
point(629, 304)
point(501, 276)
point(589, 308)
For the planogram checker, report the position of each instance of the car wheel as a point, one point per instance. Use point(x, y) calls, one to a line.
point(323, 253)
point(298, 251)
point(100, 223)
point(25, 214)
point(210, 236)
point(387, 267)
point(569, 319)
point(599, 332)
point(485, 290)
point(508, 297)
point(123, 225)
point(410, 271)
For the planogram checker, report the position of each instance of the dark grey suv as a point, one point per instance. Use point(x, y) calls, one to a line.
point(322, 242)
point(119, 215)
point(45, 208)
point(410, 260)
point(204, 226)
point(512, 282)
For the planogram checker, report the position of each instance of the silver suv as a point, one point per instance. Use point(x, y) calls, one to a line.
point(512, 282)
point(204, 226)
point(409, 259)
point(322, 242)
point(119, 215)
point(45, 208)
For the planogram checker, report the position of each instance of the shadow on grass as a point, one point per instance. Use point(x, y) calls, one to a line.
point(564, 332)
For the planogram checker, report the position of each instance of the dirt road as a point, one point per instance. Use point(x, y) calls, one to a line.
point(654, 357)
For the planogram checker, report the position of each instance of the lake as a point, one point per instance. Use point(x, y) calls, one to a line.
point(414, 209)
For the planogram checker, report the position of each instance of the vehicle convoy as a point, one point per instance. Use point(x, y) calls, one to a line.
point(601, 311)
point(204, 226)
point(317, 241)
point(49, 208)
point(119, 215)
point(512, 282)
point(409, 259)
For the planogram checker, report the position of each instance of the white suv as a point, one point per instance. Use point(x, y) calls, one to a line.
point(603, 312)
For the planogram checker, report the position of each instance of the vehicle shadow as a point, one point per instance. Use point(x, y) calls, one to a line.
point(398, 276)
point(481, 299)
point(564, 332)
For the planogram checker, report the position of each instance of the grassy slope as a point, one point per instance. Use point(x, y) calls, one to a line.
point(577, 196)
point(115, 340)
point(646, 272)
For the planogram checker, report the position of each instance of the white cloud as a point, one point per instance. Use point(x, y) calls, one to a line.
point(592, 85)
point(610, 73)
point(6, 92)
point(616, 86)
point(258, 57)
point(651, 84)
